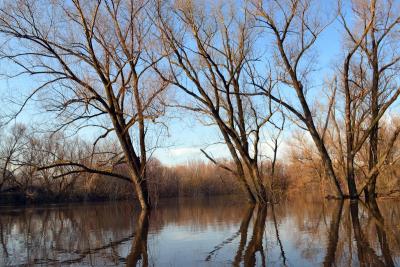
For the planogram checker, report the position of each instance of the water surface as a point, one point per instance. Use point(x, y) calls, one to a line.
point(207, 232)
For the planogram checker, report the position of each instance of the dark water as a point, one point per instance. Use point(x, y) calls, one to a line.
point(213, 232)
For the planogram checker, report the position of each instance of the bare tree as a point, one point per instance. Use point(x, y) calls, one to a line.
point(370, 72)
point(93, 62)
point(11, 147)
point(296, 27)
point(210, 52)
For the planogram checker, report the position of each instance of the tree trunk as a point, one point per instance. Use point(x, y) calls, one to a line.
point(143, 194)
point(134, 166)
point(374, 108)
point(247, 191)
point(372, 188)
point(351, 183)
point(326, 160)
point(373, 139)
point(259, 186)
point(250, 197)
point(308, 119)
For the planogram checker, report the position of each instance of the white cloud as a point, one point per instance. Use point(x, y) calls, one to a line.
point(184, 151)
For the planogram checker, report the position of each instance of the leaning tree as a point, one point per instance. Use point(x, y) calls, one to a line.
point(211, 54)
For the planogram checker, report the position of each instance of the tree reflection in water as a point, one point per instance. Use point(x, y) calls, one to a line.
point(333, 235)
point(211, 233)
point(139, 243)
point(256, 242)
point(366, 254)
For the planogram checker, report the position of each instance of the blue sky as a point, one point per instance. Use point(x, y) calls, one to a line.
point(186, 134)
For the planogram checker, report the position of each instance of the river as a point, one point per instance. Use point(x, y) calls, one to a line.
point(203, 232)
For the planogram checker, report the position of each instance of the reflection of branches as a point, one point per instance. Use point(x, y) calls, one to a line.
point(221, 245)
point(84, 253)
point(243, 236)
point(278, 237)
point(67, 235)
point(333, 235)
point(81, 253)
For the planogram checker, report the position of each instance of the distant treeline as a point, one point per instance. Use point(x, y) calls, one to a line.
point(24, 152)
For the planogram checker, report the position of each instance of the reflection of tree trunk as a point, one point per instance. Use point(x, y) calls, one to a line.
point(256, 243)
point(387, 255)
point(3, 243)
point(366, 255)
point(139, 245)
point(347, 225)
point(278, 237)
point(243, 235)
point(357, 232)
point(333, 235)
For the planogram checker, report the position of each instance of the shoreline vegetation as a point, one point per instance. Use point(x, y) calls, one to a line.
point(26, 185)
point(21, 199)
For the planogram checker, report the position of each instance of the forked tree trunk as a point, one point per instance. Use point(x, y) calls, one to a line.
point(136, 172)
point(246, 189)
point(261, 193)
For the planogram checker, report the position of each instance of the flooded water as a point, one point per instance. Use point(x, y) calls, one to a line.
point(210, 232)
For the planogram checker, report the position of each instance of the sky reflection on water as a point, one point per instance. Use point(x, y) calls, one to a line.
point(208, 232)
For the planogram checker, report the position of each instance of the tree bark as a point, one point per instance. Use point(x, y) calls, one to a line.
point(374, 108)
